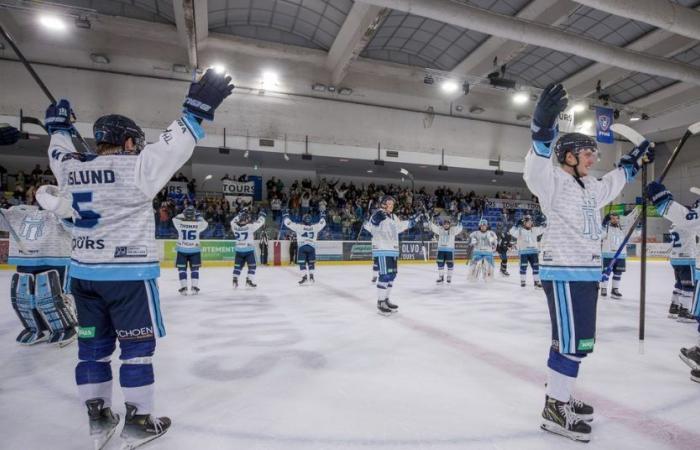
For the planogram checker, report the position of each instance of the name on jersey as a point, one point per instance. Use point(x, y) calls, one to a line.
point(85, 243)
point(80, 177)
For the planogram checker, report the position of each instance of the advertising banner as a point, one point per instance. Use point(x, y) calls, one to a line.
point(511, 204)
point(212, 250)
point(329, 251)
point(603, 122)
point(176, 188)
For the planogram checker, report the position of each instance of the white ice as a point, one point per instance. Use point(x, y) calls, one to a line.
point(290, 367)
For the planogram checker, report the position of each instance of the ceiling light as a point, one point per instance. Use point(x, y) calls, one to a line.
point(449, 86)
point(218, 68)
point(208, 177)
point(331, 88)
point(370, 171)
point(459, 108)
point(286, 157)
point(344, 160)
point(345, 91)
point(635, 119)
point(520, 98)
point(247, 152)
point(476, 110)
point(586, 125)
point(318, 87)
point(423, 167)
point(52, 23)
point(269, 79)
point(578, 107)
point(493, 180)
point(99, 58)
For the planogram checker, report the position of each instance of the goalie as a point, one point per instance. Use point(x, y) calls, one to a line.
point(483, 242)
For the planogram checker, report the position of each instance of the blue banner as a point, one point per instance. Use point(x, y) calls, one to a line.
point(603, 122)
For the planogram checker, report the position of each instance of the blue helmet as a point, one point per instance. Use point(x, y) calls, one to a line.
point(189, 213)
point(243, 218)
point(483, 222)
point(306, 219)
point(115, 130)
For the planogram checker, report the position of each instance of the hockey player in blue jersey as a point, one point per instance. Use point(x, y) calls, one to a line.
point(687, 219)
point(385, 228)
point(571, 252)
point(115, 261)
point(42, 257)
point(244, 234)
point(307, 234)
point(189, 225)
point(526, 235)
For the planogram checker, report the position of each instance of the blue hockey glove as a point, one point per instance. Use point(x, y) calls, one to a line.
point(378, 217)
point(8, 135)
point(552, 101)
point(58, 117)
point(207, 94)
point(632, 162)
point(659, 196)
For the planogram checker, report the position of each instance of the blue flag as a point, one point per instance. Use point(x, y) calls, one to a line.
point(603, 121)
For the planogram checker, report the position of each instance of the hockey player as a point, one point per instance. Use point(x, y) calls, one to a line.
point(385, 228)
point(526, 235)
point(505, 242)
point(446, 234)
point(483, 242)
point(570, 271)
point(614, 232)
point(42, 256)
point(307, 234)
point(189, 226)
point(115, 261)
point(682, 259)
point(686, 219)
point(244, 234)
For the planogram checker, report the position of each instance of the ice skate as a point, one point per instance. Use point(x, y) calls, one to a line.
point(311, 278)
point(440, 279)
point(303, 280)
point(235, 282)
point(603, 292)
point(374, 280)
point(383, 308)
point(504, 272)
point(391, 305)
point(249, 283)
point(195, 290)
point(684, 315)
point(691, 356)
point(582, 410)
point(449, 279)
point(183, 290)
point(29, 337)
point(673, 311)
point(103, 422)
point(522, 283)
point(65, 337)
point(538, 284)
point(616, 294)
point(695, 375)
point(559, 418)
point(141, 428)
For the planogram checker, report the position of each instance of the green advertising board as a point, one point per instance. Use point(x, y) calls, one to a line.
point(212, 250)
point(620, 210)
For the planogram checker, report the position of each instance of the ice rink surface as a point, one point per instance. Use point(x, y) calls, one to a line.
point(290, 367)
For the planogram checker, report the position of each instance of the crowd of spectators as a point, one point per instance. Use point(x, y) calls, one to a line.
point(23, 185)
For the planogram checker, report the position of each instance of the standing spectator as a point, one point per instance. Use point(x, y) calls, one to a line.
point(276, 207)
point(263, 248)
point(292, 249)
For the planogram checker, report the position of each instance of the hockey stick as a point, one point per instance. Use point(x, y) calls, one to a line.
point(367, 217)
point(692, 130)
point(42, 86)
point(695, 190)
point(13, 233)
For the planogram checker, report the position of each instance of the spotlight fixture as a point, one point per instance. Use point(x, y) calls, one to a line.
point(286, 157)
point(476, 110)
point(52, 23)
point(578, 107)
point(465, 88)
point(99, 58)
point(459, 108)
point(449, 86)
point(635, 119)
point(520, 98)
point(345, 91)
point(428, 79)
point(218, 68)
point(83, 22)
point(331, 88)
point(269, 79)
point(318, 87)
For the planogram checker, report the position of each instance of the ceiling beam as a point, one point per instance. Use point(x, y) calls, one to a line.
point(358, 29)
point(480, 61)
point(470, 17)
point(192, 25)
point(663, 14)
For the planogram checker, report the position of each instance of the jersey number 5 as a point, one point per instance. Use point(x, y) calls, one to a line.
point(88, 218)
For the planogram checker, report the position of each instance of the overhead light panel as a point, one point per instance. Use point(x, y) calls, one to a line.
point(331, 88)
point(318, 87)
point(269, 79)
point(53, 23)
point(578, 107)
point(345, 91)
point(520, 98)
point(635, 119)
point(218, 68)
point(246, 154)
point(449, 86)
point(370, 171)
point(99, 58)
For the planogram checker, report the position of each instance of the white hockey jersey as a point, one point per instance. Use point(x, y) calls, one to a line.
point(385, 233)
point(306, 234)
point(484, 242)
point(245, 235)
point(446, 238)
point(114, 239)
point(613, 236)
point(46, 239)
point(686, 227)
point(188, 232)
point(571, 242)
point(526, 240)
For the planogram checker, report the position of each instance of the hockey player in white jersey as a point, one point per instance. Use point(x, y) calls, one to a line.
point(446, 233)
point(115, 260)
point(385, 228)
point(614, 231)
point(307, 234)
point(42, 257)
point(570, 267)
point(244, 234)
point(189, 225)
point(483, 242)
point(683, 248)
point(526, 235)
point(687, 219)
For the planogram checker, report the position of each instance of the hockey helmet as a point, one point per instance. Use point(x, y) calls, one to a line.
point(243, 218)
point(573, 143)
point(306, 219)
point(446, 223)
point(483, 223)
point(189, 213)
point(384, 201)
point(115, 130)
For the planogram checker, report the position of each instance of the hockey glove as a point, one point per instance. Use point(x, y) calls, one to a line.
point(58, 117)
point(8, 135)
point(378, 217)
point(52, 199)
point(552, 101)
point(207, 94)
point(659, 196)
point(632, 162)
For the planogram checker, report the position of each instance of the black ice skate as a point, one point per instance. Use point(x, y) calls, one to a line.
point(235, 282)
point(673, 311)
point(582, 410)
point(603, 292)
point(391, 305)
point(141, 428)
point(311, 278)
point(440, 279)
point(249, 283)
point(383, 308)
point(538, 284)
point(695, 375)
point(522, 283)
point(103, 422)
point(684, 315)
point(195, 290)
point(449, 279)
point(615, 293)
point(374, 280)
point(183, 290)
point(303, 280)
point(559, 418)
point(504, 272)
point(691, 356)
point(65, 337)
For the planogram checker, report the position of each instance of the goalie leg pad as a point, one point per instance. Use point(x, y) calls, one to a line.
point(23, 301)
point(54, 308)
